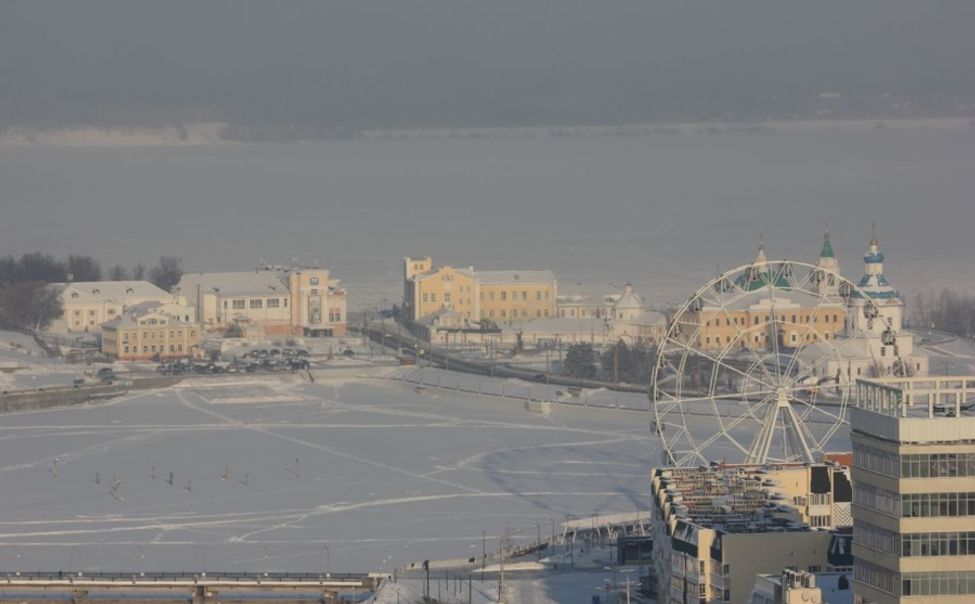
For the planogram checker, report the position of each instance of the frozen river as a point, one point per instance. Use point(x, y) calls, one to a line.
point(298, 476)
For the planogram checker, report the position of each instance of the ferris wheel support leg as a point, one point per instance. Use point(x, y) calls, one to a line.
point(758, 452)
point(792, 427)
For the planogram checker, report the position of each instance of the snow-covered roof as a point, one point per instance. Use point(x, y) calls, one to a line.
point(506, 277)
point(561, 325)
point(83, 291)
point(649, 317)
point(437, 269)
point(628, 299)
point(245, 283)
point(132, 314)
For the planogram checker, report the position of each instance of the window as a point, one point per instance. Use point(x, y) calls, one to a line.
point(285, 300)
point(933, 505)
point(313, 280)
point(504, 296)
point(538, 295)
point(179, 347)
point(238, 304)
point(524, 296)
point(257, 303)
point(145, 348)
point(938, 583)
point(426, 297)
point(503, 314)
point(446, 298)
point(490, 295)
point(433, 297)
point(126, 349)
point(273, 302)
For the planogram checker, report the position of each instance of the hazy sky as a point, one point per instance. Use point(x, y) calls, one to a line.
point(450, 62)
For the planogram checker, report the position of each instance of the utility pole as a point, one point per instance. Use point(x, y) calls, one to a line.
point(501, 598)
point(616, 364)
point(483, 553)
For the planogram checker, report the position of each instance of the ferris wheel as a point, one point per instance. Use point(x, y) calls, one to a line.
point(758, 366)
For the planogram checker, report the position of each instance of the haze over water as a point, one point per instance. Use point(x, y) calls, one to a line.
point(660, 210)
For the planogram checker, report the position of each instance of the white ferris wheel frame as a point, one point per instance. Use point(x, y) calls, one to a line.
point(786, 405)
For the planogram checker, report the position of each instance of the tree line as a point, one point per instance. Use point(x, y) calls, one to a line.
point(949, 311)
point(617, 363)
point(26, 301)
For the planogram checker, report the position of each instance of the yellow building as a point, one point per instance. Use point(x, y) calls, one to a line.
point(279, 300)
point(148, 332)
point(501, 296)
point(784, 317)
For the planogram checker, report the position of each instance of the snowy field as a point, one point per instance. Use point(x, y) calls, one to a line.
point(266, 475)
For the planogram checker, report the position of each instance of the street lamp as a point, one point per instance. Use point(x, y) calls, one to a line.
point(326, 557)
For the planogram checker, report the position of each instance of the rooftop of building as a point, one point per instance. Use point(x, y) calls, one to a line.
point(110, 290)
point(943, 398)
point(728, 498)
point(263, 282)
point(132, 314)
point(515, 276)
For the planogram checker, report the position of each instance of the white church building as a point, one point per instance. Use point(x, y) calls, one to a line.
point(873, 342)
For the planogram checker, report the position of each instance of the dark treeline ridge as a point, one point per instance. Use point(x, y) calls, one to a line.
point(26, 301)
point(947, 311)
point(617, 363)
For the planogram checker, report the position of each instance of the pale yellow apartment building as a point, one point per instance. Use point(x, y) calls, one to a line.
point(147, 332)
point(501, 296)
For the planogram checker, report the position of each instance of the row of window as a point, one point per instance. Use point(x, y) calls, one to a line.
point(913, 465)
point(928, 505)
point(940, 583)
point(152, 348)
point(241, 304)
point(758, 339)
point(514, 313)
point(151, 335)
point(875, 460)
point(937, 465)
point(729, 321)
point(915, 505)
point(950, 543)
point(876, 576)
point(432, 297)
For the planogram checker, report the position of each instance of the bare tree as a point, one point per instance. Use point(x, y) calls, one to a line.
point(139, 272)
point(84, 268)
point(167, 273)
point(118, 273)
point(29, 305)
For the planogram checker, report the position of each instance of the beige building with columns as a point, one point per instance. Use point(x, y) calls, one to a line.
point(280, 300)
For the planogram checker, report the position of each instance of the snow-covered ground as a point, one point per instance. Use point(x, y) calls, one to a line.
point(347, 475)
